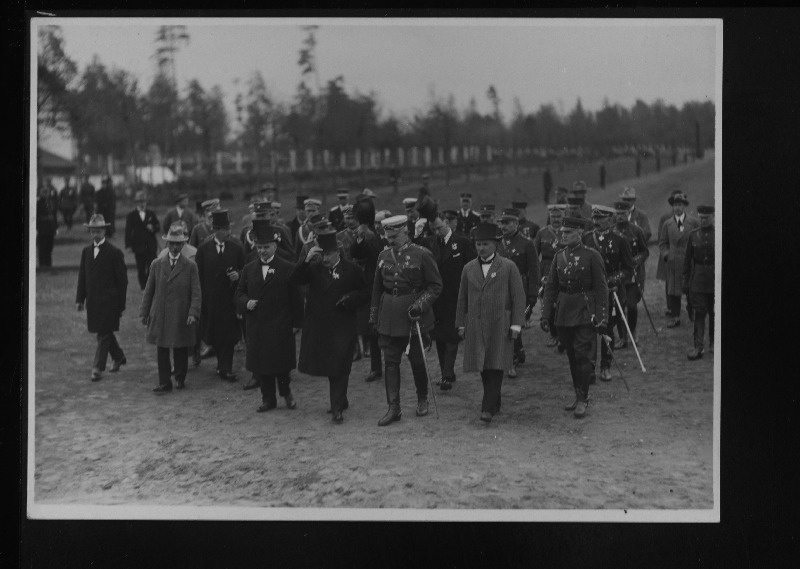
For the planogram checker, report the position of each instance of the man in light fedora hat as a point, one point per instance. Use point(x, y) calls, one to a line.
point(141, 226)
point(636, 216)
point(171, 308)
point(102, 285)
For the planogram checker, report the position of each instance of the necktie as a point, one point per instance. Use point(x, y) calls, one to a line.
point(220, 248)
point(96, 249)
point(680, 225)
point(172, 263)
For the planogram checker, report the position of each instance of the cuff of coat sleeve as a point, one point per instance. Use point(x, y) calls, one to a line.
point(516, 328)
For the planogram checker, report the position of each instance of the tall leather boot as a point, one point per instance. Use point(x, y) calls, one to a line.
point(392, 381)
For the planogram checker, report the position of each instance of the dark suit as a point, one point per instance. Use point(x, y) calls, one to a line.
point(102, 285)
point(522, 251)
point(467, 222)
point(219, 325)
point(365, 255)
point(450, 257)
point(142, 241)
point(106, 205)
point(45, 231)
point(293, 226)
point(336, 217)
point(188, 216)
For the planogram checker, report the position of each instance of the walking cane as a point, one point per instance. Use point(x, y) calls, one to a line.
point(628, 328)
point(644, 303)
point(607, 341)
point(425, 359)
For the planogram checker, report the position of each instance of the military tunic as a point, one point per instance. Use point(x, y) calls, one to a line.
point(528, 229)
point(698, 280)
point(522, 251)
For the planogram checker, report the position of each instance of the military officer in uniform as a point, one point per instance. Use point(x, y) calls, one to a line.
point(203, 231)
point(579, 190)
point(347, 235)
point(467, 219)
point(407, 283)
point(527, 228)
point(635, 215)
point(561, 199)
point(547, 243)
point(305, 232)
point(634, 287)
point(616, 254)
point(698, 278)
point(521, 250)
point(577, 292)
point(575, 209)
point(410, 205)
point(486, 216)
point(298, 219)
point(336, 215)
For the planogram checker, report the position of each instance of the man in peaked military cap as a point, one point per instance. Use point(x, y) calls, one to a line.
point(522, 252)
point(616, 254)
point(467, 219)
point(547, 243)
point(575, 209)
point(305, 232)
point(527, 228)
point(410, 205)
point(203, 231)
point(698, 278)
point(336, 214)
point(486, 216)
point(576, 290)
point(407, 283)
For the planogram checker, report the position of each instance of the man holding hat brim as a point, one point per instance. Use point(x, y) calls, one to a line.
point(180, 212)
point(273, 309)
point(336, 214)
point(219, 261)
point(102, 286)
point(305, 232)
point(336, 288)
point(698, 278)
point(635, 215)
point(633, 287)
point(141, 226)
point(489, 315)
point(467, 219)
point(298, 219)
point(486, 216)
point(410, 205)
point(171, 308)
point(672, 244)
point(547, 242)
point(527, 228)
point(203, 231)
point(577, 291)
point(407, 283)
point(522, 252)
point(619, 265)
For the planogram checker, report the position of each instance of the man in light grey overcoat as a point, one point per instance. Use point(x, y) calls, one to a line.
point(489, 315)
point(171, 308)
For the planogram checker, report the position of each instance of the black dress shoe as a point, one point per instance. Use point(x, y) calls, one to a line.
point(338, 417)
point(206, 352)
point(674, 323)
point(117, 364)
point(392, 415)
point(227, 376)
point(96, 375)
point(486, 417)
point(162, 389)
point(252, 384)
point(446, 385)
point(266, 407)
point(374, 375)
point(290, 402)
point(422, 407)
point(181, 384)
point(695, 354)
point(344, 408)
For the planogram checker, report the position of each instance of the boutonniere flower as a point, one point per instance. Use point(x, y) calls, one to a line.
point(335, 275)
point(513, 250)
point(494, 274)
point(455, 246)
point(270, 271)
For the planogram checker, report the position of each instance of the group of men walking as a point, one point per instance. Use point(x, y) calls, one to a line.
point(362, 282)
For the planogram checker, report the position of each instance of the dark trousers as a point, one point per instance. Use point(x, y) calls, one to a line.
point(581, 345)
point(674, 304)
point(106, 344)
point(67, 215)
point(703, 303)
point(181, 357)
point(267, 383)
point(44, 248)
point(519, 351)
point(376, 363)
point(338, 391)
point(224, 358)
point(143, 261)
point(447, 352)
point(492, 381)
point(393, 348)
point(632, 297)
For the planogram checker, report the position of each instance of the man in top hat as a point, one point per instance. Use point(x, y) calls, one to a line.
point(273, 310)
point(547, 184)
point(486, 216)
point(263, 210)
point(106, 204)
point(489, 315)
point(298, 219)
point(547, 242)
point(616, 253)
point(579, 190)
point(672, 243)
point(203, 231)
point(698, 278)
point(171, 309)
point(305, 232)
point(181, 212)
point(317, 223)
point(336, 288)
point(635, 215)
point(635, 286)
point(577, 291)
point(519, 249)
point(336, 215)
point(364, 252)
point(407, 283)
point(575, 209)
point(102, 286)
point(141, 226)
point(452, 252)
point(467, 219)
point(527, 228)
point(410, 205)
point(219, 262)
point(450, 217)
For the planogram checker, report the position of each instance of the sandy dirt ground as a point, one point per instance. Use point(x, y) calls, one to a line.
point(115, 442)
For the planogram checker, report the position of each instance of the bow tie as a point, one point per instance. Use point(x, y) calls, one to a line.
point(264, 264)
point(487, 262)
point(96, 245)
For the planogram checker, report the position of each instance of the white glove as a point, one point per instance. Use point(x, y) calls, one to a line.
point(419, 226)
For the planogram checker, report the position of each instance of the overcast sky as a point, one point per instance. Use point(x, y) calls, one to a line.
point(538, 61)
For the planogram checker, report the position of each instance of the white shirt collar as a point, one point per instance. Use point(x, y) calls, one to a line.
point(680, 217)
point(179, 209)
point(171, 258)
point(103, 240)
point(448, 236)
point(218, 242)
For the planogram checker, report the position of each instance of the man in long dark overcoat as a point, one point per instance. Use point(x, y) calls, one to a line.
point(489, 315)
point(102, 285)
point(141, 226)
point(336, 287)
point(672, 240)
point(273, 308)
point(219, 261)
point(171, 308)
point(451, 251)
